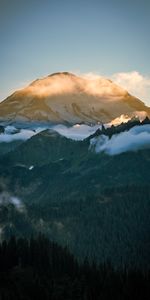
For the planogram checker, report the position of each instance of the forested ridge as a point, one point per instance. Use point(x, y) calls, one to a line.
point(96, 204)
point(37, 268)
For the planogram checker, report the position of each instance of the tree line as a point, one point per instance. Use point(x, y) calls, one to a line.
point(38, 268)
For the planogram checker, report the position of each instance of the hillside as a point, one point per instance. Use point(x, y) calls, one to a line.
point(97, 204)
point(38, 268)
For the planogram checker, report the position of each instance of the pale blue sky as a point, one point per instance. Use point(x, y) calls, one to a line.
point(41, 37)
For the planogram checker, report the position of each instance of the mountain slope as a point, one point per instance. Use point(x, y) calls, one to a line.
point(66, 98)
point(98, 205)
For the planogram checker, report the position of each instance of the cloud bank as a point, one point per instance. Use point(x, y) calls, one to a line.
point(137, 138)
point(76, 132)
point(12, 134)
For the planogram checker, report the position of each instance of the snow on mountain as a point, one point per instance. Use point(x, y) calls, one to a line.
point(67, 98)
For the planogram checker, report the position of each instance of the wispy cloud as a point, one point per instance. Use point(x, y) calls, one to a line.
point(135, 139)
point(11, 134)
point(6, 199)
point(136, 84)
point(76, 132)
point(90, 84)
point(93, 83)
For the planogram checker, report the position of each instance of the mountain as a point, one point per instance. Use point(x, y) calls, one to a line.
point(96, 204)
point(67, 98)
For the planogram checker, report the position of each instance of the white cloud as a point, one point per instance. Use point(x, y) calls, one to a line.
point(135, 139)
point(11, 134)
point(76, 132)
point(17, 203)
point(135, 83)
point(6, 199)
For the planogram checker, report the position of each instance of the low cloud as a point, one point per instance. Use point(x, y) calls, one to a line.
point(76, 132)
point(135, 83)
point(6, 199)
point(137, 138)
point(12, 134)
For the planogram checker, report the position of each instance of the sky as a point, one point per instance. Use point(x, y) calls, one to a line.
point(106, 37)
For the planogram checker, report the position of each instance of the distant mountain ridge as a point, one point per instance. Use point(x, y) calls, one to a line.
point(66, 98)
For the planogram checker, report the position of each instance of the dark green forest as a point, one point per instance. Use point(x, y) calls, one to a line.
point(95, 204)
point(37, 268)
point(92, 212)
